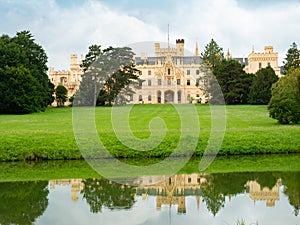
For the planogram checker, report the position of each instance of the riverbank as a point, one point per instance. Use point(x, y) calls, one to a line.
point(49, 135)
point(71, 169)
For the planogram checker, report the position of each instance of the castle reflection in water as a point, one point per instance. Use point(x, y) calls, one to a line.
point(174, 190)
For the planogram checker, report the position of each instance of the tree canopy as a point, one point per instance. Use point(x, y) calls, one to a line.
point(292, 59)
point(260, 90)
point(213, 54)
point(61, 95)
point(22, 202)
point(24, 81)
point(107, 74)
point(285, 101)
point(101, 193)
point(234, 82)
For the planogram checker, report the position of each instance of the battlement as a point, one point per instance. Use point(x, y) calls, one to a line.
point(178, 51)
point(179, 41)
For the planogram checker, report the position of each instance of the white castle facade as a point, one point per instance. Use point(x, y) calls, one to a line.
point(169, 76)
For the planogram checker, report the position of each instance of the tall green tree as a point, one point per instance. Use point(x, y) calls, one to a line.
point(285, 101)
point(93, 54)
point(20, 92)
point(22, 59)
point(112, 71)
point(212, 54)
point(260, 90)
point(234, 82)
point(61, 95)
point(292, 59)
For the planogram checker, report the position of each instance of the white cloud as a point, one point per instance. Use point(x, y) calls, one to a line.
point(62, 31)
point(235, 27)
point(71, 29)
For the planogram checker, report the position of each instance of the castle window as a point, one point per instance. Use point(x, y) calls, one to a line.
point(189, 180)
point(188, 97)
point(149, 72)
point(159, 82)
point(269, 64)
point(131, 97)
point(188, 72)
point(149, 82)
point(169, 71)
point(179, 96)
point(259, 65)
point(63, 80)
point(197, 72)
point(140, 98)
point(169, 81)
point(149, 98)
point(178, 81)
point(188, 82)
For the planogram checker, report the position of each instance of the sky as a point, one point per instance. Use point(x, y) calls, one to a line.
point(63, 27)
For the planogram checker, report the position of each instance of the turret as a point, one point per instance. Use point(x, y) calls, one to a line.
point(180, 47)
point(268, 49)
point(228, 55)
point(74, 62)
point(157, 48)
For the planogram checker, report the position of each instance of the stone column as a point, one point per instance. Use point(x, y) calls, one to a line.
point(176, 95)
point(162, 96)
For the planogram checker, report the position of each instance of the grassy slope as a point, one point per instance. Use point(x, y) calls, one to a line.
point(49, 135)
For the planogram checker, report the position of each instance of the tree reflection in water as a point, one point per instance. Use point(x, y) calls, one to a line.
point(22, 202)
point(212, 188)
point(105, 193)
point(291, 183)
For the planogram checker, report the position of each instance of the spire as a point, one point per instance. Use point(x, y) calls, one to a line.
point(252, 48)
point(196, 49)
point(228, 55)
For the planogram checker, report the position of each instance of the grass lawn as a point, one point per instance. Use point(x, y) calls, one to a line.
point(49, 135)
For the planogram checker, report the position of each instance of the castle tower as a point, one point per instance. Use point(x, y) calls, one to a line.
point(198, 201)
point(157, 49)
point(74, 62)
point(268, 49)
point(181, 205)
point(180, 47)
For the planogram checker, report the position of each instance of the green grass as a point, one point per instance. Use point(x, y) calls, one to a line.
point(49, 135)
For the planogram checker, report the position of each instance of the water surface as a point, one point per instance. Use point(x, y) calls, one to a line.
point(195, 198)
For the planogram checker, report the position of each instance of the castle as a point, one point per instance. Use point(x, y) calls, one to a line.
point(175, 189)
point(169, 76)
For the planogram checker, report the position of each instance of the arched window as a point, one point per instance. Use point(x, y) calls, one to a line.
point(159, 97)
point(63, 80)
